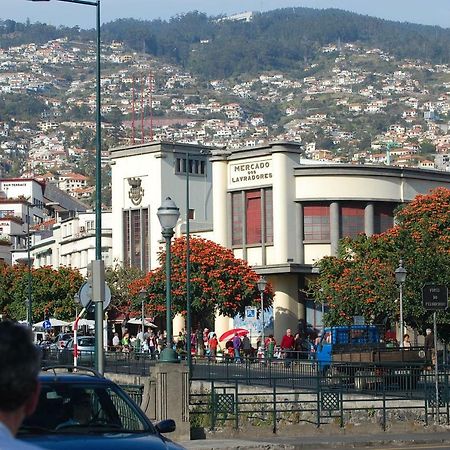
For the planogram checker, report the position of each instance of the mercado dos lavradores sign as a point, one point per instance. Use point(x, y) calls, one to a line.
point(252, 173)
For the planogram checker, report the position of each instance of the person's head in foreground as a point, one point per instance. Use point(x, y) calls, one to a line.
point(20, 363)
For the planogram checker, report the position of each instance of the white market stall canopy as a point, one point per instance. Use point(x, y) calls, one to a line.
point(84, 323)
point(138, 321)
point(53, 323)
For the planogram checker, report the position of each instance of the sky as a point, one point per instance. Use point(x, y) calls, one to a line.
point(59, 12)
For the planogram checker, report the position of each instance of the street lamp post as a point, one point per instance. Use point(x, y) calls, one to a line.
point(400, 278)
point(188, 271)
point(142, 295)
point(188, 264)
point(30, 287)
point(98, 182)
point(262, 282)
point(168, 214)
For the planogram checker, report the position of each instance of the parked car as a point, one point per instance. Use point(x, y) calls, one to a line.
point(62, 339)
point(85, 351)
point(83, 411)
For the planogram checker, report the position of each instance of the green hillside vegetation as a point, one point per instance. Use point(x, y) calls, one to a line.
point(284, 39)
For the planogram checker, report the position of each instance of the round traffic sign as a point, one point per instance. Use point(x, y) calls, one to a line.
point(85, 294)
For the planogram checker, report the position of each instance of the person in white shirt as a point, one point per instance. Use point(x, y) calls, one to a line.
point(20, 363)
point(116, 340)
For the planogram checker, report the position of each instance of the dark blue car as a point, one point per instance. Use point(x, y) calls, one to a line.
point(81, 411)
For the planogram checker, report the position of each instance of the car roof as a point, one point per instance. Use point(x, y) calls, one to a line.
point(66, 378)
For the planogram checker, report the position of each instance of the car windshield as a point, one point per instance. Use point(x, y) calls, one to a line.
point(69, 408)
point(86, 342)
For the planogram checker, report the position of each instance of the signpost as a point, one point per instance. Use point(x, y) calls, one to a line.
point(88, 295)
point(435, 298)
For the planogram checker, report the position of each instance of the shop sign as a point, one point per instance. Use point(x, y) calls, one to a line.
point(251, 173)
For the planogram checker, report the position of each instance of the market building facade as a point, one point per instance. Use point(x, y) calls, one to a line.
point(273, 210)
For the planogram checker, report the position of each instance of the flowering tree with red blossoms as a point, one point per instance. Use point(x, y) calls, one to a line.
point(361, 279)
point(219, 282)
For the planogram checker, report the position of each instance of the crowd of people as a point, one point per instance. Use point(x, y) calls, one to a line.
point(205, 343)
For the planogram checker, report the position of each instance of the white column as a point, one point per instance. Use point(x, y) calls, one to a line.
point(221, 218)
point(369, 219)
point(222, 324)
point(285, 306)
point(334, 228)
point(178, 324)
point(284, 220)
point(220, 208)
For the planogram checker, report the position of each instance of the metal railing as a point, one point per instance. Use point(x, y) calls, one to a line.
point(269, 391)
point(134, 391)
point(323, 399)
point(115, 362)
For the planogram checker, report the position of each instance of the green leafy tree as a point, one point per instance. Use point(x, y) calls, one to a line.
point(119, 279)
point(220, 283)
point(52, 290)
point(361, 280)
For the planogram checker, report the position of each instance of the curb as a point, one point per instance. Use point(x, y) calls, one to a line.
point(316, 443)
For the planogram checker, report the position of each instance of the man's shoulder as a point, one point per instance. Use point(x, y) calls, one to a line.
point(9, 442)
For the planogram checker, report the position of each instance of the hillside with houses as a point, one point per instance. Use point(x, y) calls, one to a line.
point(349, 104)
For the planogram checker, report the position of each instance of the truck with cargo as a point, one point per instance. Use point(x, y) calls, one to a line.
point(356, 354)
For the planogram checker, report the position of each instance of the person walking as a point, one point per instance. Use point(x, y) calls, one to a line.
point(270, 345)
point(406, 341)
point(430, 351)
point(20, 363)
point(237, 344)
point(299, 347)
point(116, 342)
point(246, 347)
point(213, 344)
point(126, 343)
point(287, 344)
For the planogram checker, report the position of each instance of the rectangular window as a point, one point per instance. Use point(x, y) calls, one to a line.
point(136, 244)
point(126, 238)
point(256, 213)
point(145, 244)
point(253, 215)
point(236, 212)
point(352, 220)
point(196, 166)
point(316, 222)
point(135, 238)
point(384, 217)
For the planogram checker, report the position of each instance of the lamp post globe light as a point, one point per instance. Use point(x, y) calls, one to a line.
point(262, 283)
point(168, 214)
point(400, 278)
